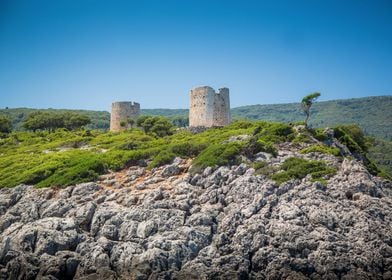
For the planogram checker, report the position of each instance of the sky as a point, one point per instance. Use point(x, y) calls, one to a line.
point(85, 54)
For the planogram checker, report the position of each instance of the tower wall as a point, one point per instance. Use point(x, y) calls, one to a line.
point(222, 108)
point(121, 112)
point(201, 106)
point(209, 108)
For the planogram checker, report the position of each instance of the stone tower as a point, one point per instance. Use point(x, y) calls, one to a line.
point(121, 113)
point(209, 108)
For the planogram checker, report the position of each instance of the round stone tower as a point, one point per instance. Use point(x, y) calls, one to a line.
point(121, 113)
point(209, 108)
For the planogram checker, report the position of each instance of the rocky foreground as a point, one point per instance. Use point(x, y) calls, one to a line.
point(226, 223)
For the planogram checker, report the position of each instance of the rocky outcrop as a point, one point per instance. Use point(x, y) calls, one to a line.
point(225, 223)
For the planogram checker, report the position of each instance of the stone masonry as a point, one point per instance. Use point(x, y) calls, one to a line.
point(209, 108)
point(121, 113)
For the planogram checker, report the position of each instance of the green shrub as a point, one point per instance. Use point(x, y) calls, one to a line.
point(241, 124)
point(321, 149)
point(5, 125)
point(164, 157)
point(354, 139)
point(297, 168)
point(80, 169)
point(274, 132)
point(351, 136)
point(302, 138)
point(188, 149)
point(319, 134)
point(217, 154)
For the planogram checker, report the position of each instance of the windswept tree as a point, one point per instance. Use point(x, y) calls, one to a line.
point(307, 102)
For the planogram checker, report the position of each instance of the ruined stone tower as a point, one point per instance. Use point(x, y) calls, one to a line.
point(209, 108)
point(121, 113)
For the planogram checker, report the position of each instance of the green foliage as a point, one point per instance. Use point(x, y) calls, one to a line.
point(5, 125)
point(319, 134)
point(375, 120)
point(355, 140)
point(272, 133)
point(298, 168)
point(254, 146)
point(381, 152)
point(99, 119)
point(164, 157)
point(51, 121)
point(352, 136)
point(68, 157)
point(307, 102)
point(217, 154)
point(188, 149)
point(324, 149)
point(157, 126)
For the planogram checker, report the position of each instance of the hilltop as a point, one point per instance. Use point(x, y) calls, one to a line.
point(253, 200)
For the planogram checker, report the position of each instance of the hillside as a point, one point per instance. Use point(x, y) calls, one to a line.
point(254, 200)
point(372, 114)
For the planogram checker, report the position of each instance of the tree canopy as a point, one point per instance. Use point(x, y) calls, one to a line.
point(51, 121)
point(157, 126)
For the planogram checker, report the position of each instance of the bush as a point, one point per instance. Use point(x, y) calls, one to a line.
point(188, 149)
point(164, 157)
point(254, 146)
point(217, 154)
point(321, 149)
point(355, 140)
point(156, 126)
point(351, 136)
point(5, 125)
point(274, 132)
point(297, 168)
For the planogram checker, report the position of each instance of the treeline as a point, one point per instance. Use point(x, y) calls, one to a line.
point(17, 116)
point(52, 121)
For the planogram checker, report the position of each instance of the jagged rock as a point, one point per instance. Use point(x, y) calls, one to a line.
point(171, 170)
point(224, 223)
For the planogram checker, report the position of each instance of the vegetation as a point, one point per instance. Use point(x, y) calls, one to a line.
point(298, 168)
point(68, 157)
point(307, 103)
point(324, 149)
point(374, 121)
point(355, 140)
point(51, 121)
point(157, 126)
point(99, 119)
point(381, 152)
point(5, 125)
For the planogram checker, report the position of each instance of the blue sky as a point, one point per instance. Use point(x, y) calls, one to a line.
point(88, 53)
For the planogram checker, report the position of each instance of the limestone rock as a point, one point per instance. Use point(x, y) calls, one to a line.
point(224, 223)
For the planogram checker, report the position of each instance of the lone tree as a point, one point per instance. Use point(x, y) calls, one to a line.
point(307, 102)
